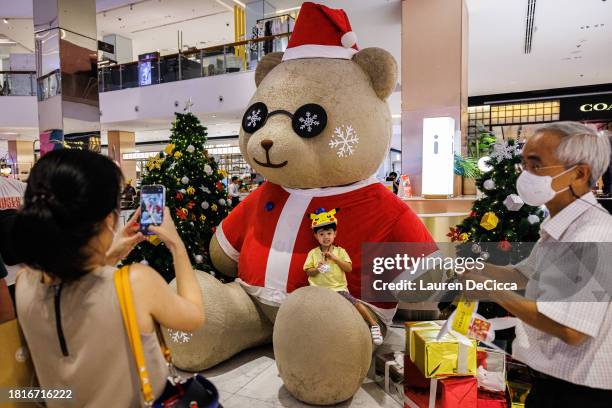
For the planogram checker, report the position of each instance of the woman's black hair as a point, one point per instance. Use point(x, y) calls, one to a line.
point(69, 193)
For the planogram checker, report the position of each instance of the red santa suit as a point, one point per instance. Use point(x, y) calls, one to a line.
point(269, 234)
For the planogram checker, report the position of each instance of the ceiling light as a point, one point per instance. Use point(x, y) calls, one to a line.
point(5, 21)
point(288, 10)
point(396, 115)
point(241, 4)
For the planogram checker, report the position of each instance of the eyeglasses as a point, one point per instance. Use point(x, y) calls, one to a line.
point(536, 168)
point(307, 121)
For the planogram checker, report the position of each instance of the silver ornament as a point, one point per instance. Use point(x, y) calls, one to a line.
point(476, 249)
point(207, 169)
point(144, 262)
point(185, 180)
point(199, 258)
point(205, 205)
point(190, 148)
point(484, 255)
point(513, 202)
point(222, 201)
point(533, 219)
point(489, 184)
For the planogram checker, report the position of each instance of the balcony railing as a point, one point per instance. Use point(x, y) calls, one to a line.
point(228, 58)
point(17, 83)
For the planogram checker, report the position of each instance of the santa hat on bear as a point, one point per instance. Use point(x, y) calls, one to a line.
point(321, 32)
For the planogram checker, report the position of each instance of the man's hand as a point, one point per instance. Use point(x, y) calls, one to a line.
point(125, 240)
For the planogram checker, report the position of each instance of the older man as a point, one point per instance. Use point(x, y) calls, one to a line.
point(566, 342)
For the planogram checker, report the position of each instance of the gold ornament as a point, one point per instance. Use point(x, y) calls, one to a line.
point(202, 218)
point(222, 172)
point(464, 237)
point(489, 221)
point(154, 239)
point(169, 148)
point(214, 207)
point(178, 155)
point(190, 190)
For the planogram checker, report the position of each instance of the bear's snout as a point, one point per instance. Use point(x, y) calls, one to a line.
point(266, 144)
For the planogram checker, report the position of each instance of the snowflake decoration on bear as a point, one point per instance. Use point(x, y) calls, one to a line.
point(503, 151)
point(254, 118)
point(309, 121)
point(344, 141)
point(179, 336)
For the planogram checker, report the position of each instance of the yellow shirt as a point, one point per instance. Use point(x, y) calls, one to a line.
point(335, 279)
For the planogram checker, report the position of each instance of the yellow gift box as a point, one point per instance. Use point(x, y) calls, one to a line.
point(445, 357)
point(489, 221)
point(413, 327)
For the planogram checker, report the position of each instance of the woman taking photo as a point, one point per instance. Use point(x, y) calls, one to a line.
point(66, 299)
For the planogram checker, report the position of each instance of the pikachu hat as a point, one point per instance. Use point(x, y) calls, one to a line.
point(321, 217)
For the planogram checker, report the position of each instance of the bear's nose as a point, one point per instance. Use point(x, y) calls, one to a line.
point(266, 144)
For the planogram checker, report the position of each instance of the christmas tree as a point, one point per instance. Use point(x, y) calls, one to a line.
point(500, 225)
point(194, 194)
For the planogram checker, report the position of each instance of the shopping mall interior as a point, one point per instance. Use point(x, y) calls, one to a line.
point(476, 80)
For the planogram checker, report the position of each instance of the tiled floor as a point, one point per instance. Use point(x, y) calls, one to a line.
point(251, 380)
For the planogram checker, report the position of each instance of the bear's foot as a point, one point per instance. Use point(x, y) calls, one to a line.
point(233, 323)
point(322, 346)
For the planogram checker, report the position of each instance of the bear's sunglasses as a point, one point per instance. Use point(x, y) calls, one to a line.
point(307, 121)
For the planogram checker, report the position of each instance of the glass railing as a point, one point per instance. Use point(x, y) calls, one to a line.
point(50, 85)
point(17, 83)
point(228, 58)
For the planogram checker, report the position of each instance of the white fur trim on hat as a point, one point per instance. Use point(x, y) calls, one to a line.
point(318, 51)
point(348, 39)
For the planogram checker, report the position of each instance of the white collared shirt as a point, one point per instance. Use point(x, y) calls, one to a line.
point(589, 363)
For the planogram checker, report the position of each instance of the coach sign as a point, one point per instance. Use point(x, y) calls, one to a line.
point(587, 108)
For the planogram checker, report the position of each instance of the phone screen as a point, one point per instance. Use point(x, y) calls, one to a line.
point(152, 202)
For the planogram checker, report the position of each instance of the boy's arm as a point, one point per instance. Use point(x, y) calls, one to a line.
point(343, 261)
point(344, 265)
point(312, 271)
point(309, 266)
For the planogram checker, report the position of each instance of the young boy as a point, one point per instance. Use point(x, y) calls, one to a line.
point(327, 264)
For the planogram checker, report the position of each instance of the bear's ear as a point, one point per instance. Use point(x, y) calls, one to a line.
point(380, 67)
point(266, 65)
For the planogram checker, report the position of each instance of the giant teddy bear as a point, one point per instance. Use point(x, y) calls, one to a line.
point(317, 128)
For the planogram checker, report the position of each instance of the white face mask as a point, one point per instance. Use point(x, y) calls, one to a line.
point(537, 190)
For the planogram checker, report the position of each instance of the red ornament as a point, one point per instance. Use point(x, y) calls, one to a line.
point(454, 234)
point(473, 214)
point(179, 196)
point(219, 186)
point(181, 213)
point(190, 205)
point(214, 229)
point(504, 245)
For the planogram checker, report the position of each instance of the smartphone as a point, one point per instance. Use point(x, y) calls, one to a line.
point(152, 203)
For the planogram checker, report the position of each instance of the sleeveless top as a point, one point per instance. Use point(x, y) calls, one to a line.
point(94, 359)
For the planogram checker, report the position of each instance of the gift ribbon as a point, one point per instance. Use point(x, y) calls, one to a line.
point(396, 362)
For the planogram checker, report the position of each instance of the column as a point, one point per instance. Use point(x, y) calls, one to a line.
point(21, 154)
point(434, 75)
point(66, 69)
point(120, 142)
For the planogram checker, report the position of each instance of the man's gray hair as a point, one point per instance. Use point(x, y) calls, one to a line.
point(581, 144)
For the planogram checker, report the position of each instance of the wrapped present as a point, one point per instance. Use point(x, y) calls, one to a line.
point(413, 327)
point(389, 374)
point(491, 371)
point(455, 392)
point(413, 378)
point(460, 392)
point(447, 356)
point(491, 400)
